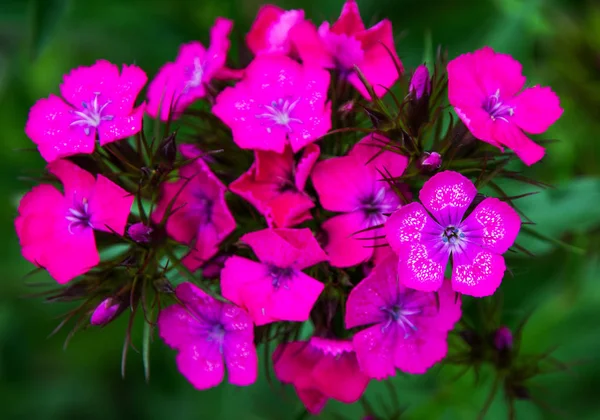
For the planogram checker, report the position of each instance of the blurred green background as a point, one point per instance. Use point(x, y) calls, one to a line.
point(558, 43)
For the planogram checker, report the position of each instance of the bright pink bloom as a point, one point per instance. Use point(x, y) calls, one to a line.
point(56, 231)
point(274, 184)
point(275, 289)
point(485, 89)
point(106, 312)
point(320, 369)
point(200, 216)
point(424, 236)
point(278, 101)
point(419, 83)
point(355, 185)
point(177, 85)
point(270, 31)
point(99, 105)
point(209, 334)
point(408, 328)
point(346, 44)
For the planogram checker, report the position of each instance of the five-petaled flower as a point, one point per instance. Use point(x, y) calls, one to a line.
point(56, 230)
point(275, 289)
point(358, 186)
point(199, 215)
point(408, 328)
point(278, 102)
point(179, 84)
point(424, 236)
point(99, 105)
point(274, 184)
point(209, 334)
point(485, 89)
point(320, 369)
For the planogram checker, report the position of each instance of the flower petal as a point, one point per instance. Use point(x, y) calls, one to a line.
point(493, 225)
point(421, 267)
point(313, 400)
point(415, 355)
point(294, 300)
point(236, 273)
point(371, 151)
point(349, 21)
point(289, 209)
point(110, 206)
point(411, 224)
point(536, 109)
point(375, 351)
point(340, 378)
point(294, 361)
point(240, 358)
point(202, 364)
point(345, 246)
point(176, 326)
point(121, 127)
point(78, 184)
point(477, 272)
point(447, 195)
point(307, 161)
point(512, 137)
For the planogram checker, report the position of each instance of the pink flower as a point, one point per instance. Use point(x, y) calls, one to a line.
point(419, 83)
point(177, 85)
point(274, 184)
point(424, 236)
point(279, 101)
point(408, 328)
point(320, 369)
point(275, 289)
point(346, 44)
point(99, 105)
point(106, 312)
point(200, 216)
point(485, 89)
point(355, 186)
point(270, 31)
point(208, 334)
point(56, 231)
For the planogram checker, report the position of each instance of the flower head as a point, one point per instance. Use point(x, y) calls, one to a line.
point(271, 28)
point(279, 101)
point(408, 328)
point(346, 44)
point(200, 216)
point(425, 235)
point(209, 334)
point(56, 230)
point(355, 186)
point(485, 89)
point(275, 289)
point(99, 106)
point(320, 369)
point(177, 85)
point(274, 184)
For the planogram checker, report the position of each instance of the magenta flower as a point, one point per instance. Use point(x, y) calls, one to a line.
point(346, 44)
point(106, 311)
point(320, 369)
point(419, 83)
point(208, 334)
point(408, 328)
point(424, 236)
point(485, 89)
point(274, 184)
point(275, 289)
point(270, 32)
point(56, 231)
point(177, 85)
point(99, 105)
point(355, 186)
point(200, 216)
point(279, 101)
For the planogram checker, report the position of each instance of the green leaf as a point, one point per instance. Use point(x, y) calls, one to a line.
point(146, 341)
point(45, 15)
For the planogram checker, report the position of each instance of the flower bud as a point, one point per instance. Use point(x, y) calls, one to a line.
point(139, 232)
point(431, 160)
point(503, 339)
point(168, 148)
point(419, 83)
point(105, 312)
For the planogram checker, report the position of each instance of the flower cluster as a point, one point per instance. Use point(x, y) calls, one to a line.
point(309, 186)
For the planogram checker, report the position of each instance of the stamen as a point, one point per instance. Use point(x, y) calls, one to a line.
point(497, 109)
point(79, 216)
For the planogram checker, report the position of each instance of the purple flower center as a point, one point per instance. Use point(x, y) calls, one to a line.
point(91, 114)
point(280, 276)
point(403, 316)
point(497, 110)
point(453, 238)
point(377, 205)
point(79, 216)
point(202, 207)
point(280, 113)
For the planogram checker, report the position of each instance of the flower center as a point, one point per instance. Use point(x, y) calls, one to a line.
point(196, 75)
point(403, 316)
point(280, 276)
point(497, 110)
point(279, 113)
point(91, 114)
point(376, 205)
point(79, 216)
point(202, 207)
point(453, 237)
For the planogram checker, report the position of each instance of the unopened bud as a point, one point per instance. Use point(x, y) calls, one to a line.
point(140, 233)
point(168, 148)
point(431, 160)
point(105, 312)
point(503, 339)
point(419, 83)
